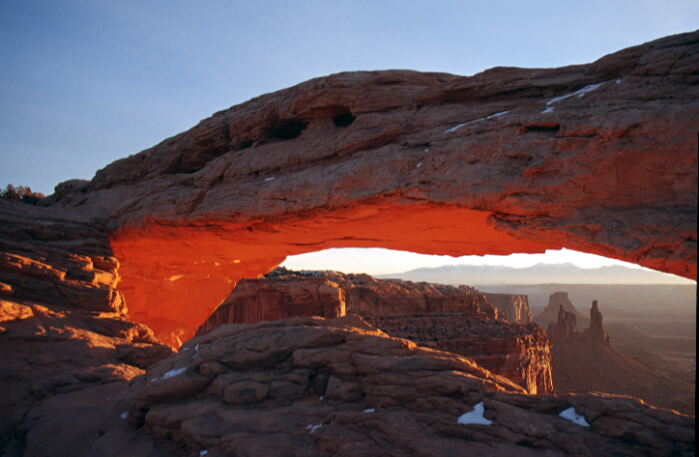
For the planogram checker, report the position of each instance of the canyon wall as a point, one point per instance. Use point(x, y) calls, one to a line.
point(459, 319)
point(514, 308)
point(599, 158)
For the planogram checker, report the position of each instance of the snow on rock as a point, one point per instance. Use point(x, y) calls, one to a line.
point(369, 410)
point(579, 93)
point(313, 428)
point(124, 415)
point(203, 452)
point(170, 374)
point(491, 116)
point(271, 178)
point(474, 417)
point(457, 127)
point(497, 115)
point(573, 416)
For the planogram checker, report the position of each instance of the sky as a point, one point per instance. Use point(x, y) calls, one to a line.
point(85, 82)
point(376, 261)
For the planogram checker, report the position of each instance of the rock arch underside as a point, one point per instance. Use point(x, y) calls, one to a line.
point(600, 158)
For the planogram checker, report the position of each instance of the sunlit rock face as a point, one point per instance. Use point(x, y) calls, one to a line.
point(514, 308)
point(64, 341)
point(460, 319)
point(599, 158)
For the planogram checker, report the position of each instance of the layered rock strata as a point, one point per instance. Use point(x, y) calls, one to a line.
point(514, 308)
point(343, 388)
point(456, 319)
point(63, 335)
point(599, 158)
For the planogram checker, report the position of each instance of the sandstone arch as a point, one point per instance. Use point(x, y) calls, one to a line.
point(600, 158)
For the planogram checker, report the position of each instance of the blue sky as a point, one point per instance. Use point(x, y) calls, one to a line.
point(85, 82)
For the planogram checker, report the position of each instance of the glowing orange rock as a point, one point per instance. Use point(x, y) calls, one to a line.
point(599, 158)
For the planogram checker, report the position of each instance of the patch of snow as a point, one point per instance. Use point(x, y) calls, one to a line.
point(196, 348)
point(455, 128)
point(579, 93)
point(426, 150)
point(369, 410)
point(497, 115)
point(474, 417)
point(322, 397)
point(418, 165)
point(271, 178)
point(124, 415)
point(491, 116)
point(549, 109)
point(573, 416)
point(618, 81)
point(170, 374)
point(313, 428)
point(203, 452)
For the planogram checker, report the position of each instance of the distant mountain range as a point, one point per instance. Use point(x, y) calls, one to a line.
point(541, 273)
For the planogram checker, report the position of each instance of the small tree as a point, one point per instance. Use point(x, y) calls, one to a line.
point(21, 193)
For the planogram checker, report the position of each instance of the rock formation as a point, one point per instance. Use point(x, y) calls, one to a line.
point(552, 313)
point(455, 319)
point(63, 335)
point(599, 157)
point(565, 327)
point(587, 362)
point(306, 386)
point(596, 332)
point(514, 308)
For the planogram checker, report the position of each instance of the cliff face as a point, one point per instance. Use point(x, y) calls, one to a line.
point(514, 308)
point(455, 319)
point(599, 158)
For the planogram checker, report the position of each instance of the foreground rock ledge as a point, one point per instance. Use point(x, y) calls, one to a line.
point(600, 158)
point(311, 387)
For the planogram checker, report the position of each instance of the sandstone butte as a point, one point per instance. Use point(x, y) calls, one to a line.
point(599, 157)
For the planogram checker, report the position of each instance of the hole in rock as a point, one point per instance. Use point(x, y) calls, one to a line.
point(542, 128)
point(285, 129)
point(343, 120)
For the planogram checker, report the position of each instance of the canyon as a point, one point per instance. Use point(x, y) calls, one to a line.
point(584, 361)
point(459, 320)
point(105, 282)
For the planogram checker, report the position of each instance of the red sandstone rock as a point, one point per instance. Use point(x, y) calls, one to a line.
point(599, 157)
point(342, 388)
point(514, 308)
point(455, 319)
point(63, 335)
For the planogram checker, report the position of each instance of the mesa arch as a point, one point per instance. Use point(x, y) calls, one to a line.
point(600, 158)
